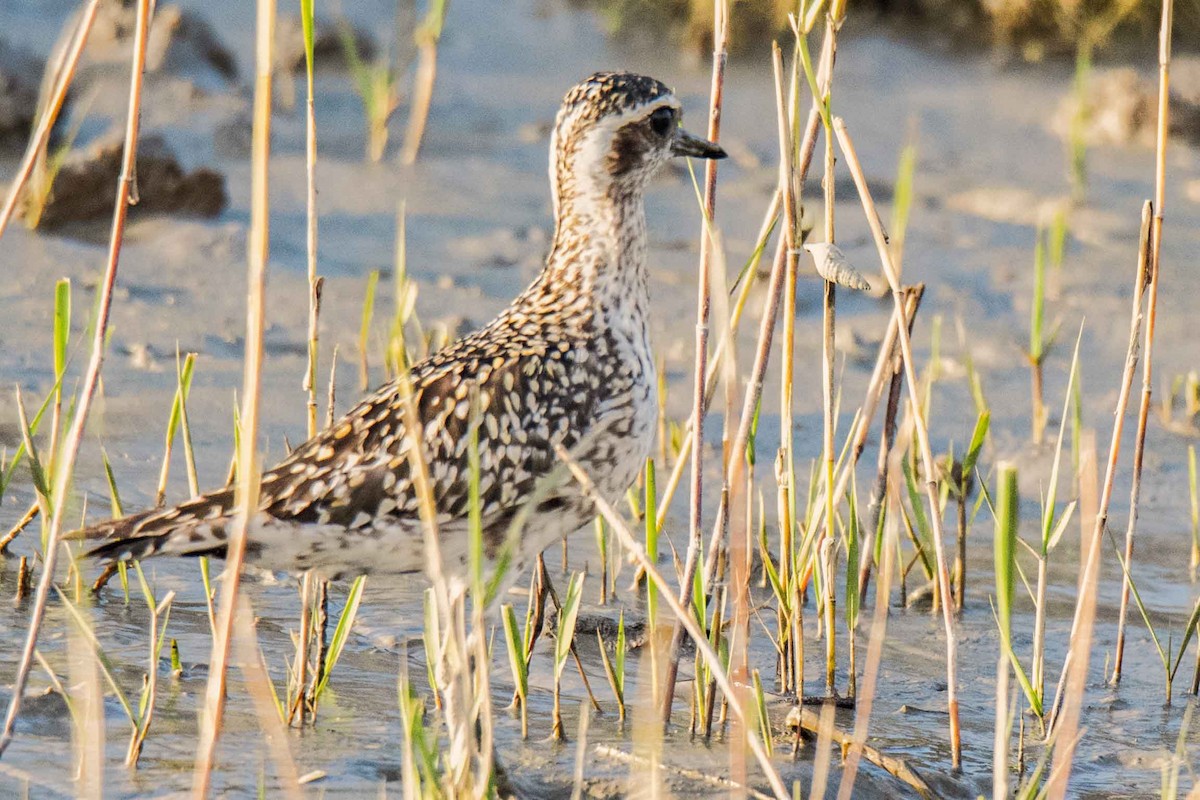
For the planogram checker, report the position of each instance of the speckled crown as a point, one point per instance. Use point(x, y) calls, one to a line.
point(611, 92)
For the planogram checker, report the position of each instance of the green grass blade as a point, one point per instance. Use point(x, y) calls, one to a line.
point(62, 325)
point(516, 650)
point(1004, 548)
point(341, 632)
point(566, 623)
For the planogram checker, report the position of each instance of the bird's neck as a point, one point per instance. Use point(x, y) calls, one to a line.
point(598, 258)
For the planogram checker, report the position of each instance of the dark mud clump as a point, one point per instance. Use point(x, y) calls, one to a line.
point(329, 50)
point(84, 187)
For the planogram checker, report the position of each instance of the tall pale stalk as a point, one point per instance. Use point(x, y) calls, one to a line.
point(248, 475)
point(1152, 282)
point(66, 463)
point(922, 434)
point(312, 586)
point(1100, 520)
point(703, 307)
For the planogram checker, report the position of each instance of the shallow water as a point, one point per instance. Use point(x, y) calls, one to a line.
point(478, 222)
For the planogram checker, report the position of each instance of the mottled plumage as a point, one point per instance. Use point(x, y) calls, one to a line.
point(567, 363)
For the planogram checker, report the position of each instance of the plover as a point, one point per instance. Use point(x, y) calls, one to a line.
point(568, 364)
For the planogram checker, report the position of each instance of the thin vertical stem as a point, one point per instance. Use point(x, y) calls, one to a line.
point(1160, 175)
point(931, 491)
point(248, 474)
point(65, 466)
point(766, 329)
point(865, 699)
point(829, 324)
point(1114, 452)
point(49, 114)
point(787, 111)
point(1076, 666)
point(309, 585)
point(703, 306)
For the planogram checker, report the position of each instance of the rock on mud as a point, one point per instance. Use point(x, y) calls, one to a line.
point(20, 72)
point(85, 186)
point(1120, 106)
point(180, 41)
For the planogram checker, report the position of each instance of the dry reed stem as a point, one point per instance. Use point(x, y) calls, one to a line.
point(65, 466)
point(1160, 180)
point(15, 531)
point(808, 720)
point(703, 306)
point(452, 671)
point(248, 479)
point(1114, 449)
point(736, 455)
point(139, 735)
point(667, 492)
point(823, 758)
point(787, 112)
point(766, 333)
point(309, 584)
point(739, 496)
point(864, 699)
point(930, 466)
point(886, 372)
point(1076, 667)
point(1002, 731)
point(424, 81)
point(684, 615)
point(87, 722)
point(37, 143)
point(254, 674)
point(828, 337)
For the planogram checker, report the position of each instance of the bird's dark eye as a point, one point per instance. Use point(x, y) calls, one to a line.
point(662, 120)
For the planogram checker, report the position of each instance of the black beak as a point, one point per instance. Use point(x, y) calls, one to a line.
point(685, 144)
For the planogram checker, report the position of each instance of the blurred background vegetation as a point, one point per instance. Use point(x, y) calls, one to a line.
point(1029, 29)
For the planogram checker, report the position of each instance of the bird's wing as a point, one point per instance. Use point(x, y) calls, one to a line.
point(357, 474)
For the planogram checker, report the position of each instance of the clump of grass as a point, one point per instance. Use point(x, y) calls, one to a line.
point(960, 482)
point(1041, 340)
point(377, 85)
point(337, 642)
point(364, 330)
point(420, 754)
point(1170, 658)
point(564, 636)
point(614, 668)
point(1053, 525)
point(1077, 136)
point(1004, 549)
point(518, 661)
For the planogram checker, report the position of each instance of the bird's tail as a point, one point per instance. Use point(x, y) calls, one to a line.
point(198, 527)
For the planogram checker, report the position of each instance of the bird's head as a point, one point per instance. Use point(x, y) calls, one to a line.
point(613, 132)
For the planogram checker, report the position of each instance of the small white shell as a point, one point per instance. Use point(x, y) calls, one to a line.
point(832, 265)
